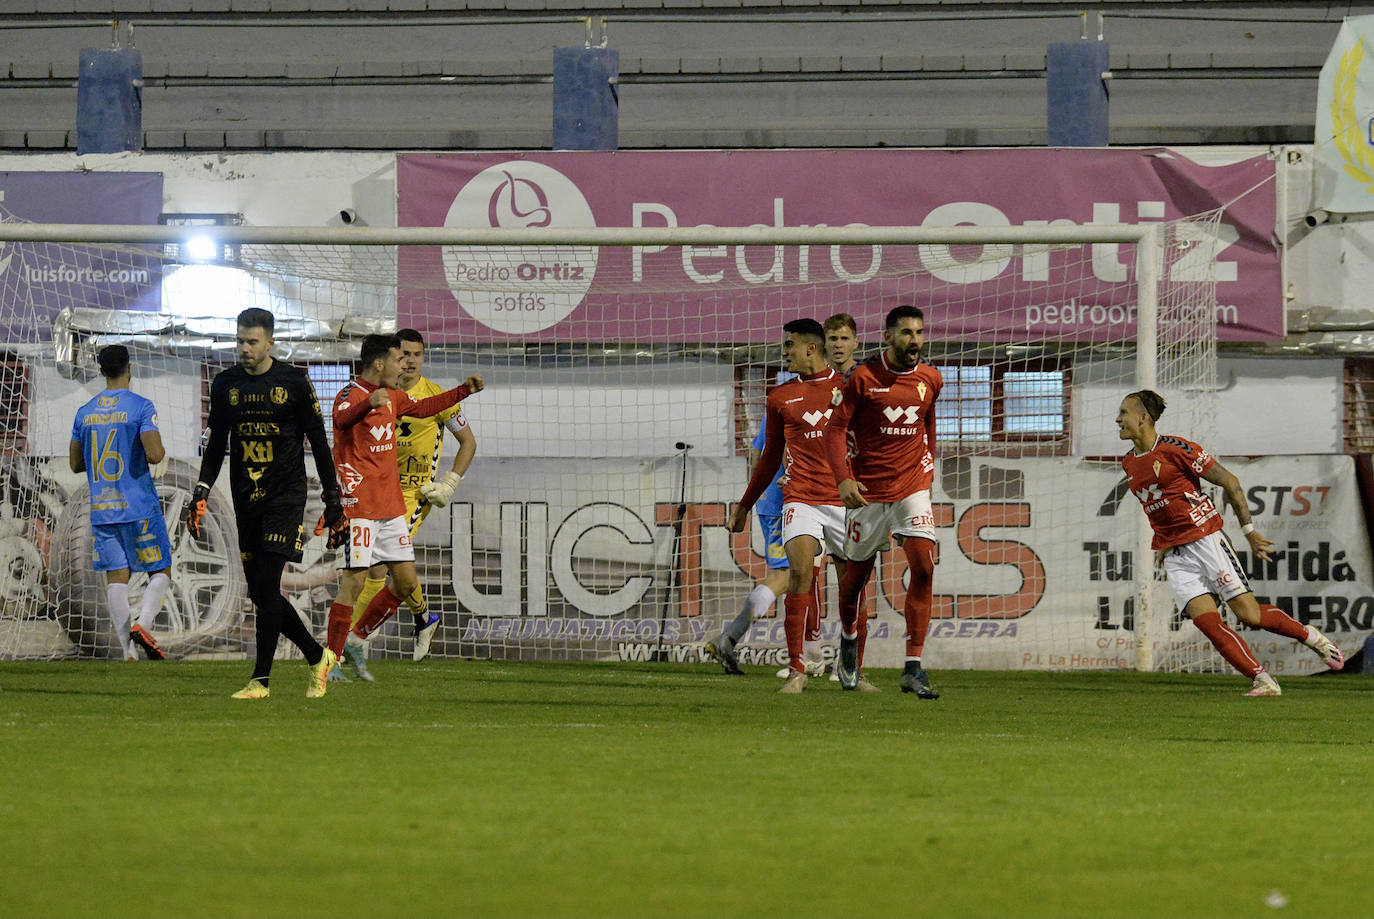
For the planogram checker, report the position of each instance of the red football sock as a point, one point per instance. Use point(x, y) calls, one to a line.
point(794, 626)
point(813, 612)
point(336, 628)
point(1273, 619)
point(382, 608)
point(1231, 645)
point(863, 638)
point(851, 592)
point(920, 559)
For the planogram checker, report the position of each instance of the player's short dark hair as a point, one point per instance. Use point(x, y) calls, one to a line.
point(808, 327)
point(1151, 401)
point(898, 313)
point(113, 361)
point(839, 320)
point(376, 347)
point(257, 318)
point(411, 335)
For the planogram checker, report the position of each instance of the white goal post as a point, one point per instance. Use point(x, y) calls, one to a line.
point(583, 531)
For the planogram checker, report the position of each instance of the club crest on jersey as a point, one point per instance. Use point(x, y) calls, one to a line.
point(1157, 466)
point(234, 396)
point(836, 397)
point(278, 395)
point(921, 391)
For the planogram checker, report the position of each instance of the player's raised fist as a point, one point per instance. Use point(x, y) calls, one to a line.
point(380, 396)
point(475, 383)
point(196, 509)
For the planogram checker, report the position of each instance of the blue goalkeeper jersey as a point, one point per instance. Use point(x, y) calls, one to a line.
point(108, 428)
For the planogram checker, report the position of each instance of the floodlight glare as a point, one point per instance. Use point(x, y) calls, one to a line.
point(201, 249)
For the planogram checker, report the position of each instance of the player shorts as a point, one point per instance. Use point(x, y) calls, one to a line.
point(1205, 566)
point(825, 522)
point(139, 545)
point(867, 528)
point(416, 510)
point(774, 553)
point(278, 528)
point(374, 542)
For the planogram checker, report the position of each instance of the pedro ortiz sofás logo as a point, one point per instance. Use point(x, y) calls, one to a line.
point(519, 289)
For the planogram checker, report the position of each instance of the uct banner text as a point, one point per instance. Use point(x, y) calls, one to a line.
point(706, 294)
point(1035, 566)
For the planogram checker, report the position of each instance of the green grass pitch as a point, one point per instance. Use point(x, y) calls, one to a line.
point(459, 788)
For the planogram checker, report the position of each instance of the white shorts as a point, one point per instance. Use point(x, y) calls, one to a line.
point(372, 542)
point(867, 527)
point(825, 522)
point(1204, 566)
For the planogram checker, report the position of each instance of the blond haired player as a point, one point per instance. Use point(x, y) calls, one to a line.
point(419, 446)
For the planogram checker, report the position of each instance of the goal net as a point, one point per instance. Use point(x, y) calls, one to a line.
point(626, 376)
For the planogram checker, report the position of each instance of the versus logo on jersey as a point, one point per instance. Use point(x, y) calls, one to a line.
point(519, 289)
point(381, 431)
point(906, 414)
point(1149, 493)
point(815, 418)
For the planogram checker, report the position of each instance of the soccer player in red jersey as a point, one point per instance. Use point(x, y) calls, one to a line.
point(794, 423)
point(888, 404)
point(365, 418)
point(1164, 473)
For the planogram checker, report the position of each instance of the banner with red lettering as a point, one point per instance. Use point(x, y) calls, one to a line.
point(1035, 570)
point(707, 294)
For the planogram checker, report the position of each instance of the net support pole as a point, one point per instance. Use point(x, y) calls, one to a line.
point(1147, 269)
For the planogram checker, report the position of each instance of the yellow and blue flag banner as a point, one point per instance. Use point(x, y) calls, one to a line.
point(1344, 154)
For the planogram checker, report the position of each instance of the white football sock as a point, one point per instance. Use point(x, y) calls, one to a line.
point(152, 598)
point(118, 597)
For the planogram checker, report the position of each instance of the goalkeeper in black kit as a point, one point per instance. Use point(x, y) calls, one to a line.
point(263, 410)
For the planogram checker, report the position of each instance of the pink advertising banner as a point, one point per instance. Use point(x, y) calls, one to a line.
point(719, 294)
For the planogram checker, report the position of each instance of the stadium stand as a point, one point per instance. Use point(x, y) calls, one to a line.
point(387, 74)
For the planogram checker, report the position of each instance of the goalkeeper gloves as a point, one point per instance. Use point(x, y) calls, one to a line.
point(335, 520)
point(440, 491)
point(195, 511)
point(159, 469)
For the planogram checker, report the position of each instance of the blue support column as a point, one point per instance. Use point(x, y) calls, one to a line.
point(1078, 93)
point(586, 102)
point(109, 101)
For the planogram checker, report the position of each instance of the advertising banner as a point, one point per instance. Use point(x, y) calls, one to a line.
point(707, 294)
point(1035, 567)
point(1343, 179)
point(41, 279)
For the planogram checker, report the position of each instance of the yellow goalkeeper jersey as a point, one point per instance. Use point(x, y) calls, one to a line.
point(420, 441)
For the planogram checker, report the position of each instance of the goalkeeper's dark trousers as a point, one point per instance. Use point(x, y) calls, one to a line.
point(276, 615)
